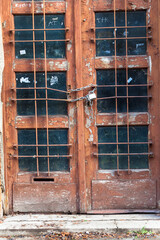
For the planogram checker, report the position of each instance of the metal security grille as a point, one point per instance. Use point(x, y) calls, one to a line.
point(122, 90)
point(41, 93)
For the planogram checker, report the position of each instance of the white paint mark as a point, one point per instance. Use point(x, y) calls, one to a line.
point(130, 80)
point(22, 52)
point(53, 80)
point(24, 80)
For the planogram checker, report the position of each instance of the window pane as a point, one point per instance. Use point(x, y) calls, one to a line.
point(138, 135)
point(27, 138)
point(137, 77)
point(107, 162)
point(54, 49)
point(25, 90)
point(105, 20)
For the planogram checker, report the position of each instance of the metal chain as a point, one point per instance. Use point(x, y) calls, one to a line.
point(82, 88)
point(85, 97)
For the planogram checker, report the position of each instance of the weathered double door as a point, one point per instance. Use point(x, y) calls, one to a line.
point(81, 105)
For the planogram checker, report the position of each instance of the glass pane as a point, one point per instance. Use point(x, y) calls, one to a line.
point(59, 164)
point(26, 137)
point(135, 77)
point(136, 18)
point(105, 20)
point(106, 77)
point(27, 164)
point(55, 80)
point(107, 162)
point(122, 134)
point(137, 134)
point(24, 50)
point(121, 47)
point(43, 164)
point(58, 150)
point(25, 108)
point(136, 32)
point(108, 148)
point(138, 148)
point(56, 136)
point(104, 33)
point(42, 136)
point(137, 47)
point(139, 162)
point(105, 48)
point(123, 162)
point(120, 18)
point(55, 49)
point(24, 80)
point(26, 151)
point(106, 134)
point(23, 21)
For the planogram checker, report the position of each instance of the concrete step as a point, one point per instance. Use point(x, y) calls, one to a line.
point(40, 224)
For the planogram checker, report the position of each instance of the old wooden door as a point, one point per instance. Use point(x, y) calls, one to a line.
point(120, 44)
point(39, 118)
point(81, 105)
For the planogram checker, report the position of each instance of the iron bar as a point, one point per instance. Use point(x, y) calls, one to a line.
point(127, 85)
point(122, 27)
point(124, 97)
point(43, 145)
point(42, 88)
point(35, 99)
point(38, 156)
point(45, 69)
point(116, 90)
point(121, 154)
point(121, 143)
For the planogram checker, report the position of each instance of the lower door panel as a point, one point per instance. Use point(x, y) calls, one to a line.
point(123, 194)
point(44, 197)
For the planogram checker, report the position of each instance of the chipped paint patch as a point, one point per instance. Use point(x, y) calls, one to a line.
point(57, 64)
point(69, 47)
point(150, 65)
point(105, 60)
point(89, 121)
point(72, 119)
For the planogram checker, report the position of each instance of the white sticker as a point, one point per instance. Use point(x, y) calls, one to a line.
point(24, 80)
point(54, 80)
point(22, 52)
point(130, 80)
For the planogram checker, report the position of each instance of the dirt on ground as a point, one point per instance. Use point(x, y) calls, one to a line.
point(141, 235)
